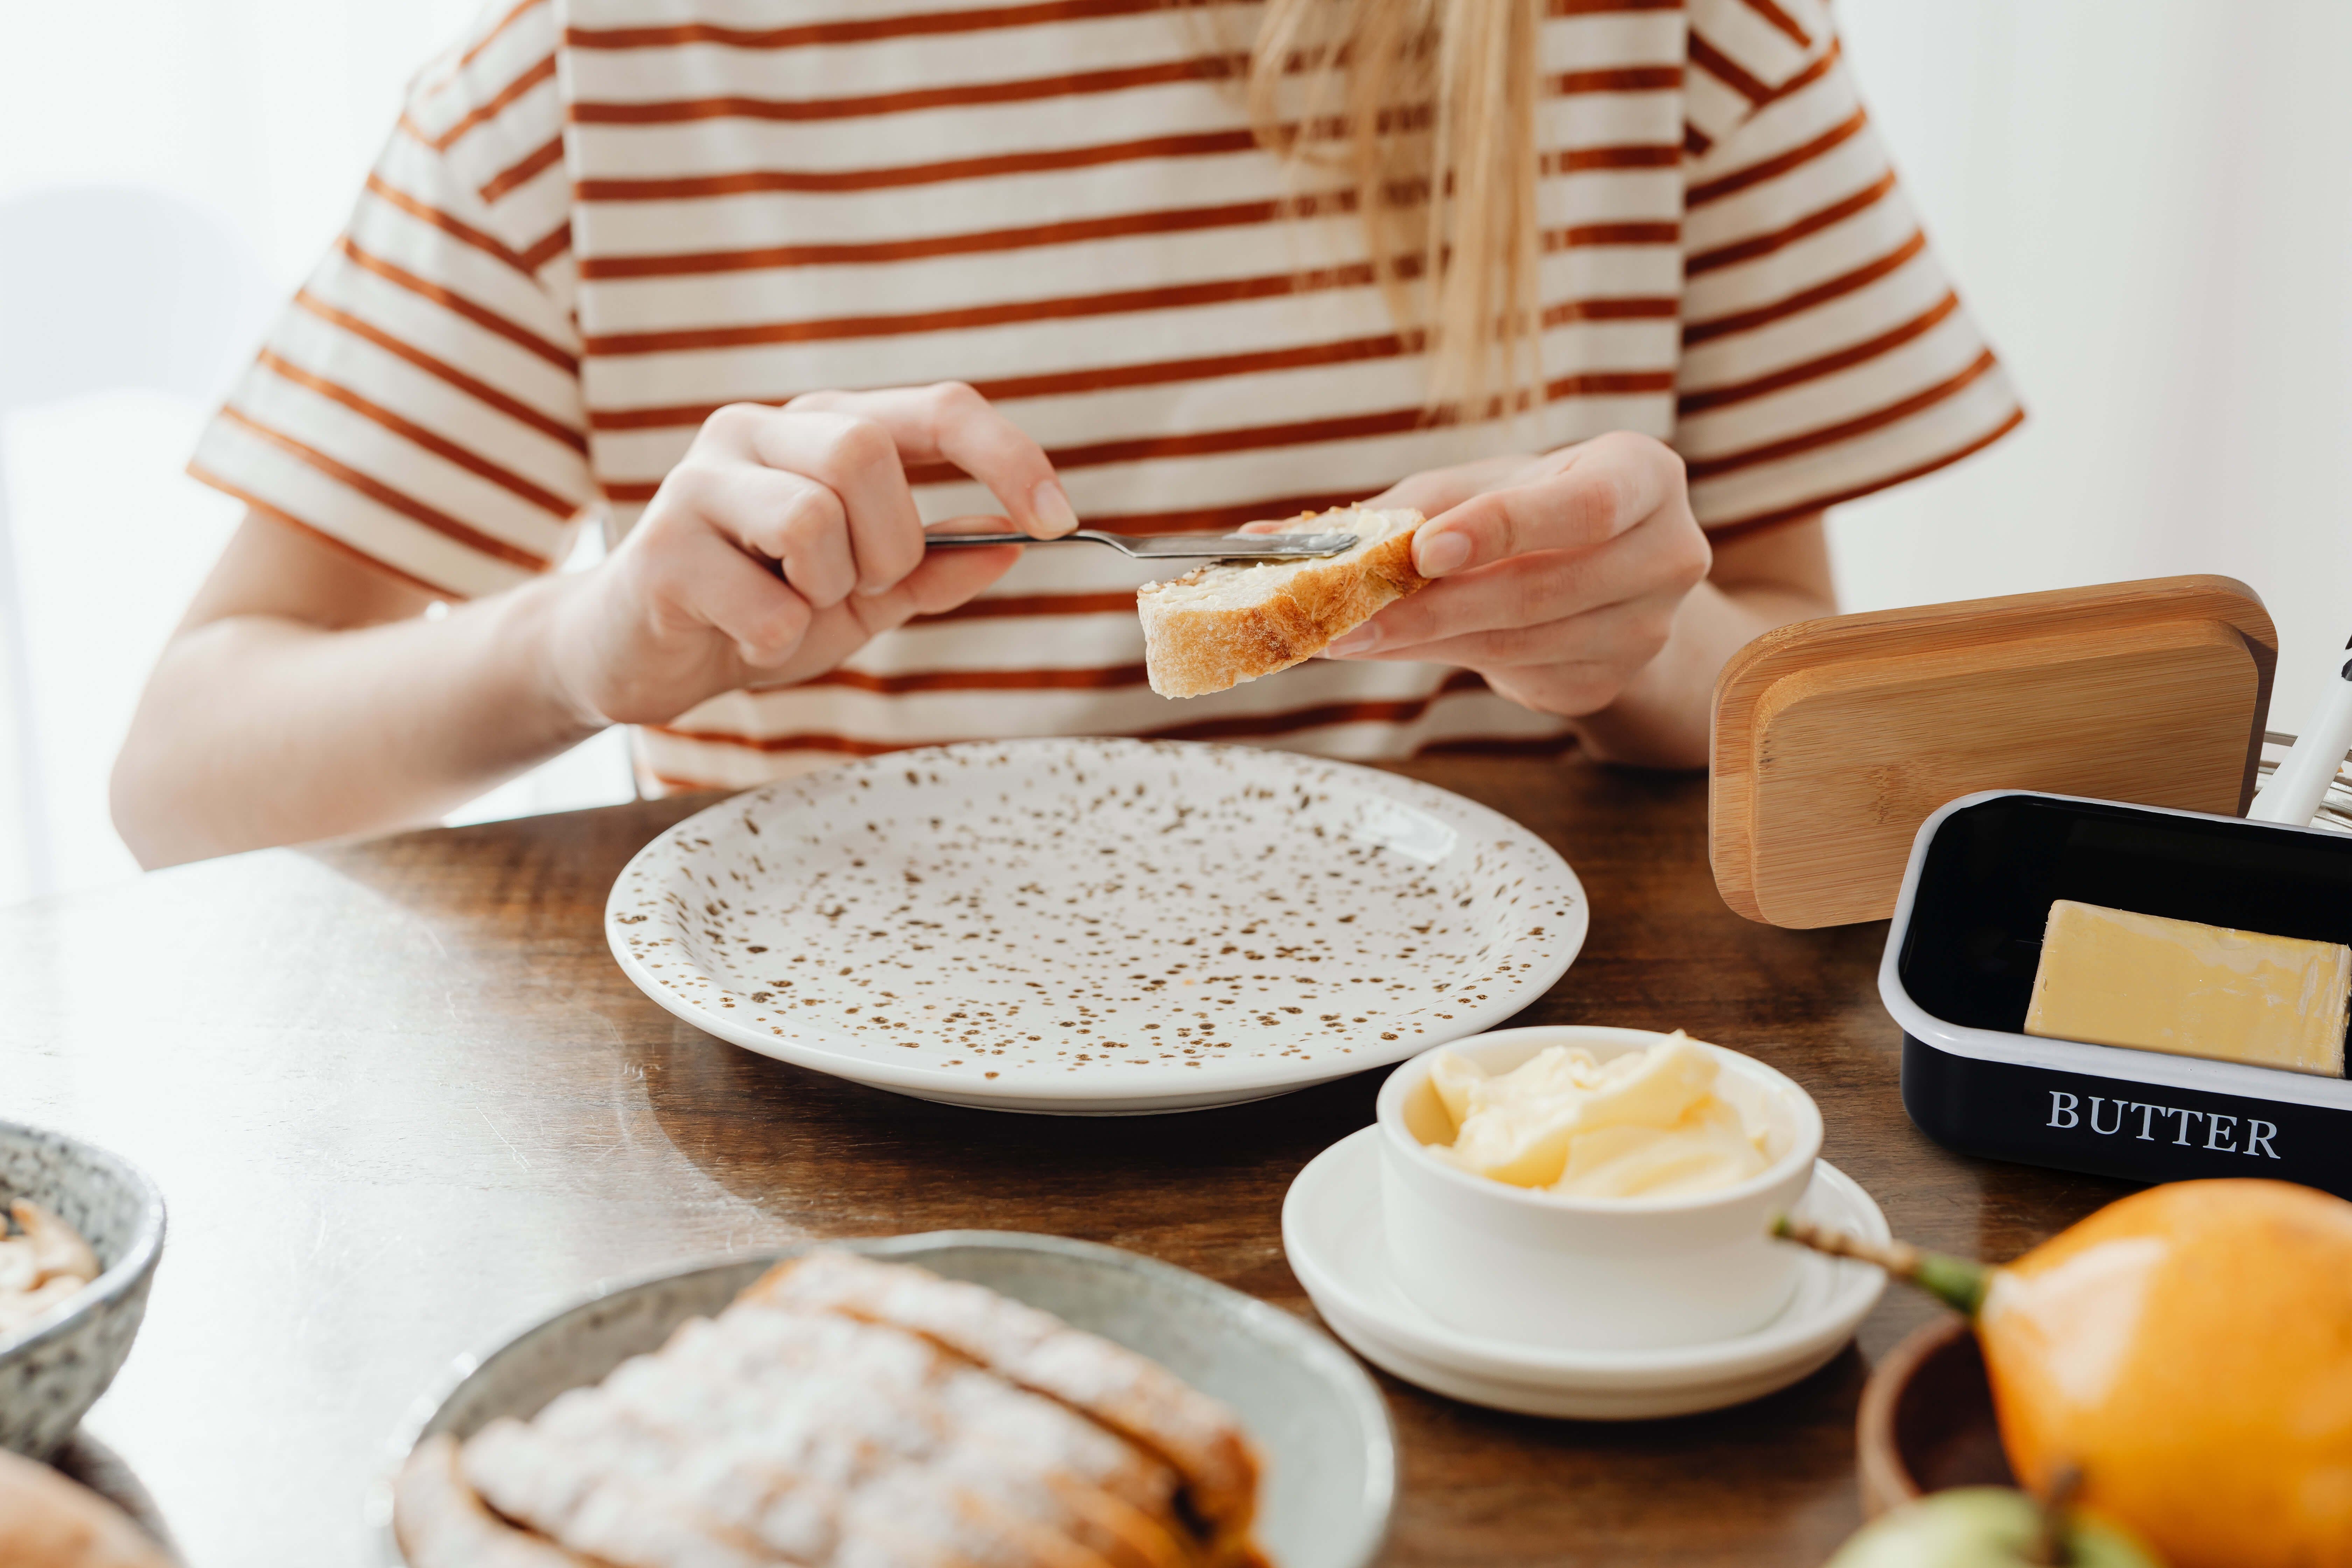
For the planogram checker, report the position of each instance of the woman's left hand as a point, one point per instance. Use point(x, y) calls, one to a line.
point(1557, 578)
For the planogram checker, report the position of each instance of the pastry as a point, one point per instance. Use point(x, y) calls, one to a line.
point(844, 1413)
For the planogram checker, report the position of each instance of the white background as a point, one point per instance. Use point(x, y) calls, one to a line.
point(270, 113)
point(2148, 203)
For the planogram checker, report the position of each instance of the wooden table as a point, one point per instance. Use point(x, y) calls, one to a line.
point(402, 1101)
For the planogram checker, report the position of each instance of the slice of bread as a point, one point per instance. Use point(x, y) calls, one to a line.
point(1229, 621)
point(48, 1521)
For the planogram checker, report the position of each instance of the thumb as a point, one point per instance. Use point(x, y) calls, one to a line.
point(945, 579)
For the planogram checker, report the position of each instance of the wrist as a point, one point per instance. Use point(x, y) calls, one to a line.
point(540, 639)
point(1661, 716)
point(1664, 714)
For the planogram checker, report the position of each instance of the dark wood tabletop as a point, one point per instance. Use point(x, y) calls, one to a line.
point(402, 1101)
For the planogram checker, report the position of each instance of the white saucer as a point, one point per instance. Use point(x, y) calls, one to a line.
point(1331, 1233)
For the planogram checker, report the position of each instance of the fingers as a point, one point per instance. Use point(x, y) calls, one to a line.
point(712, 582)
point(949, 578)
point(951, 422)
point(1573, 500)
point(856, 445)
point(1599, 645)
point(786, 518)
point(1665, 558)
point(787, 539)
point(942, 581)
point(858, 461)
point(1435, 490)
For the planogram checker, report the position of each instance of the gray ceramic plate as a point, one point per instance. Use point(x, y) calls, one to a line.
point(1331, 1454)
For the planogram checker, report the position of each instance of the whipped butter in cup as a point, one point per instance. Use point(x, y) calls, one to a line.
point(1646, 1124)
point(1592, 1189)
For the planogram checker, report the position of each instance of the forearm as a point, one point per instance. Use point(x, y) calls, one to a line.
point(1661, 718)
point(259, 729)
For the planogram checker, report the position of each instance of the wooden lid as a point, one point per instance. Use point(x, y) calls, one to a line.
point(1833, 739)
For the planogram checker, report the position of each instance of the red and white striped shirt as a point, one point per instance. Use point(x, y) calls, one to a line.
point(600, 219)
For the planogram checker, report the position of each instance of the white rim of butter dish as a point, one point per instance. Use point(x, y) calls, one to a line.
point(2116, 1062)
point(1804, 1148)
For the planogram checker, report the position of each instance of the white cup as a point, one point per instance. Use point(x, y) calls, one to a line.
point(1583, 1273)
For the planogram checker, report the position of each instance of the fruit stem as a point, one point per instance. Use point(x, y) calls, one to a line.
point(1956, 1281)
point(2049, 1544)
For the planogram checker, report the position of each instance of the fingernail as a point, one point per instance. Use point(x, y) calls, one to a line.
point(1445, 552)
point(1053, 507)
point(1362, 639)
point(872, 591)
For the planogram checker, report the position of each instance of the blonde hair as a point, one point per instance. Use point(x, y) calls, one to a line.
point(1427, 107)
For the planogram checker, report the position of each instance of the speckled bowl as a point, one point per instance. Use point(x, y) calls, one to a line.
point(55, 1368)
point(1331, 1454)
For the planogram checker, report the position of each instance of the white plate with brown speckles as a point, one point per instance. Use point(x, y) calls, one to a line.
point(1095, 927)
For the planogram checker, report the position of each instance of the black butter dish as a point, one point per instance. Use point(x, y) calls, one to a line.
point(1958, 973)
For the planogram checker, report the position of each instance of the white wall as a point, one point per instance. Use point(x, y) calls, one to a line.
point(270, 112)
point(2148, 203)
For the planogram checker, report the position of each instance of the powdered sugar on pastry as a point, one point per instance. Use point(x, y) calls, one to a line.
point(1136, 1397)
point(855, 1434)
point(844, 1413)
point(1230, 622)
point(441, 1522)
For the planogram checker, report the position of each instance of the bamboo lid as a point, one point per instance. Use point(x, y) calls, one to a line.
point(1832, 740)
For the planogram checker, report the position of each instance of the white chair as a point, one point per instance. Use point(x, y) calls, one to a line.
point(103, 288)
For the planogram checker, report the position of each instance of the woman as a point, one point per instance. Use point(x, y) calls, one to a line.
point(1620, 293)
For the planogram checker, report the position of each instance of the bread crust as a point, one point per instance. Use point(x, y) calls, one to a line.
point(1129, 1393)
point(49, 1521)
point(1192, 651)
point(440, 1522)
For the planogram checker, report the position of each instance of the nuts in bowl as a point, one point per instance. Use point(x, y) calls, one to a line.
point(66, 1340)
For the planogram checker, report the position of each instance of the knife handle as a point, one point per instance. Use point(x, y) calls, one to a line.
point(971, 541)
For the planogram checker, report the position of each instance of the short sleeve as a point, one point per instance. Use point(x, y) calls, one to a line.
point(1826, 354)
point(419, 400)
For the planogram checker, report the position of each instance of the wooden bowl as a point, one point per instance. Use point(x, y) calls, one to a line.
point(1926, 1420)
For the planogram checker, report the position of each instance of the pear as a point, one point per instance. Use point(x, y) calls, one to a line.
point(2188, 1350)
point(1987, 1527)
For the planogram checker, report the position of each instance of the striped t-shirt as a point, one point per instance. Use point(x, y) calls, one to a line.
point(598, 220)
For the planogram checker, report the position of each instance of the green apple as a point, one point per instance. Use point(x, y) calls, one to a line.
point(1984, 1527)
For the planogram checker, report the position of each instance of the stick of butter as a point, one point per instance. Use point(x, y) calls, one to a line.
point(2111, 977)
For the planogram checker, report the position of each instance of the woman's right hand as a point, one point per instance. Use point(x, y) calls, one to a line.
point(786, 538)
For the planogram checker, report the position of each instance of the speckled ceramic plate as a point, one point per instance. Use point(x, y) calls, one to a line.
point(1095, 926)
point(1331, 1455)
